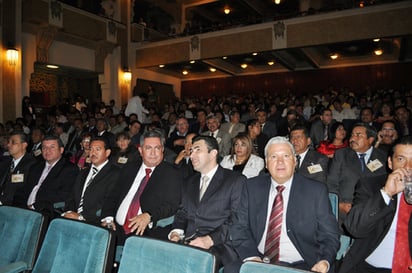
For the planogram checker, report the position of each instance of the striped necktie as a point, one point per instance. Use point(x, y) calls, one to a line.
point(94, 172)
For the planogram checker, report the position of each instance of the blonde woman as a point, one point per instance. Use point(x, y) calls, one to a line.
point(241, 158)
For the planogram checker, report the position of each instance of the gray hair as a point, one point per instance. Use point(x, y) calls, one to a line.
point(279, 140)
point(153, 133)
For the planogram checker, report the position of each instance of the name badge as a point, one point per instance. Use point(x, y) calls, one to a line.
point(37, 152)
point(17, 178)
point(122, 160)
point(374, 165)
point(317, 168)
point(88, 160)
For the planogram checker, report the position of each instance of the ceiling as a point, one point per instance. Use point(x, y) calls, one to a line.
point(208, 15)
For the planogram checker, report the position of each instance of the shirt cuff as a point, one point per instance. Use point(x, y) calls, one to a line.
point(179, 231)
point(386, 197)
point(107, 220)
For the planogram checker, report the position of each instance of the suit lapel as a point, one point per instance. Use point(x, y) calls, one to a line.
point(261, 213)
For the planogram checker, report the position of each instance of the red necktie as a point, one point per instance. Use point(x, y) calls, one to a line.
point(135, 204)
point(275, 227)
point(401, 256)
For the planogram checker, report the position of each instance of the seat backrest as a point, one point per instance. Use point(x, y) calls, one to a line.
point(334, 202)
point(21, 233)
point(153, 256)
point(252, 267)
point(74, 246)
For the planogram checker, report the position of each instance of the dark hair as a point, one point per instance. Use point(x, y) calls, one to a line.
point(124, 135)
point(21, 134)
point(370, 131)
point(368, 109)
point(211, 142)
point(334, 128)
point(251, 122)
point(56, 138)
point(298, 127)
point(103, 139)
point(153, 133)
point(406, 140)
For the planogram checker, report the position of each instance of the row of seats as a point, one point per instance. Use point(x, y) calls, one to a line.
point(67, 246)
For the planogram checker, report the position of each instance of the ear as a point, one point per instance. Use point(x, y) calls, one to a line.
point(140, 150)
point(371, 140)
point(390, 162)
point(108, 152)
point(309, 141)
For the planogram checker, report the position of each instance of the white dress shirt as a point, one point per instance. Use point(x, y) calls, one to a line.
point(124, 206)
point(288, 252)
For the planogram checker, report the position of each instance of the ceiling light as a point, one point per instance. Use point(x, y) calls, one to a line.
point(185, 72)
point(161, 65)
point(334, 56)
point(212, 69)
point(378, 51)
point(192, 61)
point(271, 63)
point(277, 2)
point(254, 53)
point(244, 66)
point(226, 10)
point(224, 57)
point(361, 4)
point(52, 66)
point(376, 40)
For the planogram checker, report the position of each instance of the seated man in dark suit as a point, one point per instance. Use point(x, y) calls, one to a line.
point(210, 199)
point(380, 219)
point(52, 180)
point(92, 197)
point(176, 141)
point(183, 161)
point(147, 193)
point(310, 163)
point(14, 172)
point(285, 218)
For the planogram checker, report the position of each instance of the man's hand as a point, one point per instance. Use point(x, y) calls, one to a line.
point(345, 207)
point(71, 215)
point(139, 223)
point(395, 182)
point(174, 237)
point(204, 242)
point(321, 267)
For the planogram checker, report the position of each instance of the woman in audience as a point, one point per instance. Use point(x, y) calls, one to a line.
point(81, 158)
point(339, 141)
point(125, 152)
point(385, 113)
point(242, 159)
point(259, 139)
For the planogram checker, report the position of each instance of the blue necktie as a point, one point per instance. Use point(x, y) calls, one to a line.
point(362, 161)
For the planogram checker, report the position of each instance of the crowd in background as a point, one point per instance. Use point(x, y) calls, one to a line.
point(325, 130)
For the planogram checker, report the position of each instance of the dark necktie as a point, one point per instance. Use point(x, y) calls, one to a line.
point(135, 204)
point(94, 172)
point(12, 166)
point(401, 255)
point(297, 163)
point(362, 161)
point(275, 227)
point(326, 132)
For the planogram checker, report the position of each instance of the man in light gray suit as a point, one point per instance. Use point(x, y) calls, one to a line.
point(223, 139)
point(234, 127)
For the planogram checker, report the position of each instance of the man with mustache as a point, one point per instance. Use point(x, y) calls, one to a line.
point(360, 160)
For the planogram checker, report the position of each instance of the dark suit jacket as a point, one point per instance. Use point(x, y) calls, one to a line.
point(316, 132)
point(215, 213)
point(162, 195)
point(345, 172)
point(270, 129)
point(314, 158)
point(311, 225)
point(98, 200)
point(57, 186)
point(110, 138)
point(8, 189)
point(368, 221)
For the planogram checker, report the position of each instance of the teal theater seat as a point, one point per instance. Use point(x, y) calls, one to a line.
point(145, 255)
point(253, 267)
point(21, 233)
point(74, 246)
